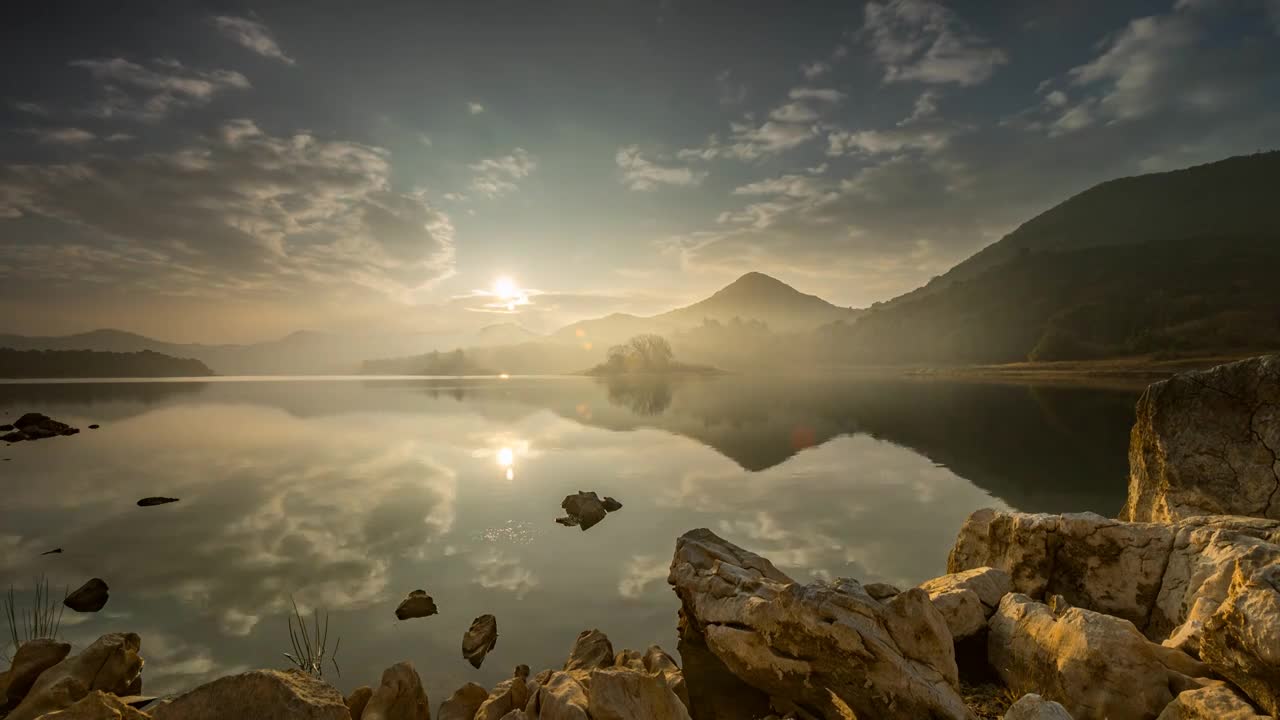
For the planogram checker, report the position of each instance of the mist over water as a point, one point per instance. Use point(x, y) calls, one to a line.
point(348, 494)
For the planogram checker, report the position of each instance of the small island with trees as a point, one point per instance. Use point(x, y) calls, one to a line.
point(31, 364)
point(451, 364)
point(646, 355)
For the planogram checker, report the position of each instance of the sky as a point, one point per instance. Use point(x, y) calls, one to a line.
point(228, 172)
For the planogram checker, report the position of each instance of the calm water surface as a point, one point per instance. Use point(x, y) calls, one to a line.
point(347, 494)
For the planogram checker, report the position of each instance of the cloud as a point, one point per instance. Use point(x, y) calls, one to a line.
point(794, 112)
point(150, 93)
point(925, 41)
point(639, 173)
point(814, 70)
point(251, 34)
point(641, 572)
point(926, 108)
point(874, 142)
point(497, 176)
point(809, 93)
point(749, 141)
point(63, 136)
point(475, 108)
point(30, 108)
point(241, 211)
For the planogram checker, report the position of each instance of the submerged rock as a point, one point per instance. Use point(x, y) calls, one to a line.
point(152, 501)
point(1206, 443)
point(462, 704)
point(110, 664)
point(90, 597)
point(827, 647)
point(32, 658)
point(257, 694)
point(418, 604)
point(399, 696)
point(479, 639)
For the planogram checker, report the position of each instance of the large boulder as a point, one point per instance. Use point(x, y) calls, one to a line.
point(358, 699)
point(399, 696)
point(966, 599)
point(479, 639)
point(510, 694)
point(1241, 640)
point(1214, 701)
point(623, 694)
point(1096, 665)
point(828, 647)
point(32, 658)
point(1207, 443)
point(559, 696)
point(1034, 707)
point(110, 664)
point(591, 650)
point(417, 605)
point(89, 597)
point(257, 694)
point(462, 704)
point(98, 705)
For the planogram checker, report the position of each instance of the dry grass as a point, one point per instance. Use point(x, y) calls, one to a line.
point(988, 701)
point(41, 619)
point(311, 649)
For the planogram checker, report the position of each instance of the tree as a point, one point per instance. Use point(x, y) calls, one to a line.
point(650, 352)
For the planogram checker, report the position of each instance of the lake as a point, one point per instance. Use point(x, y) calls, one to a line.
point(346, 494)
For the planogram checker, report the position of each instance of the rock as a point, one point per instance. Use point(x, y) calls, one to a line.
point(1215, 701)
point(966, 599)
point(1096, 665)
point(32, 658)
point(568, 521)
point(462, 704)
point(35, 426)
point(418, 604)
point(90, 597)
point(508, 695)
point(94, 426)
point(1206, 443)
point(257, 694)
point(97, 705)
point(623, 694)
point(828, 647)
point(591, 650)
point(153, 501)
point(1241, 640)
point(479, 639)
point(110, 664)
point(357, 701)
point(15, 436)
point(559, 697)
point(55, 551)
point(1034, 707)
point(610, 505)
point(399, 696)
point(31, 419)
point(657, 660)
point(6, 427)
point(881, 591)
point(585, 507)
point(714, 692)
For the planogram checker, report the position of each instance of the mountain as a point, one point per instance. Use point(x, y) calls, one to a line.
point(92, 363)
point(1169, 262)
point(754, 296)
point(504, 334)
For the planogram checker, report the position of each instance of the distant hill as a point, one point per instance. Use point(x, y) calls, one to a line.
point(94, 364)
point(1178, 262)
point(457, 362)
point(504, 334)
point(754, 296)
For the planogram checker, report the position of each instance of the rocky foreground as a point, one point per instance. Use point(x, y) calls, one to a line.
point(1172, 613)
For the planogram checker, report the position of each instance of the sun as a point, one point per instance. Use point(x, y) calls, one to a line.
point(505, 288)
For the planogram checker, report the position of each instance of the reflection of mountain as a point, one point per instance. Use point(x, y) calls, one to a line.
point(110, 401)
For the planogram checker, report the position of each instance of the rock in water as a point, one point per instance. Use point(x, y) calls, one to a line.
point(95, 426)
point(611, 505)
point(1207, 443)
point(357, 700)
point(36, 426)
point(827, 647)
point(418, 604)
point(98, 705)
point(479, 639)
point(399, 696)
point(152, 501)
point(110, 664)
point(32, 658)
point(6, 427)
point(462, 704)
point(257, 694)
point(585, 507)
point(89, 597)
point(1034, 707)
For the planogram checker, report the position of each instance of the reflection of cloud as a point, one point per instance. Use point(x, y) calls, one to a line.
point(641, 572)
point(496, 571)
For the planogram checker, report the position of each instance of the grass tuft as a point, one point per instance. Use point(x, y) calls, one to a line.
point(41, 620)
point(311, 649)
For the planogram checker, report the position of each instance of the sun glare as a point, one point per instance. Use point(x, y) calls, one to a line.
point(505, 288)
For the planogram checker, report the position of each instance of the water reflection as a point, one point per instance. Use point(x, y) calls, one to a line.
point(347, 495)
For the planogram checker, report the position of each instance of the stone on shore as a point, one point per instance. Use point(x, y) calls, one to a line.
point(1241, 640)
point(510, 694)
point(1034, 707)
point(967, 599)
point(357, 701)
point(881, 591)
point(623, 694)
point(479, 639)
point(89, 597)
point(110, 664)
point(399, 696)
point(97, 705)
point(560, 696)
point(257, 694)
point(462, 704)
point(418, 604)
point(1206, 443)
point(829, 647)
point(1096, 665)
point(1214, 701)
point(32, 658)
point(591, 650)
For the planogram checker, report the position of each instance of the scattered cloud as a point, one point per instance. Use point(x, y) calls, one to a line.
point(641, 572)
point(814, 70)
point(424, 139)
point(475, 108)
point(731, 92)
point(639, 173)
point(925, 41)
point(30, 108)
point(252, 34)
point(809, 93)
point(497, 176)
point(874, 142)
point(152, 92)
point(63, 136)
point(926, 108)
